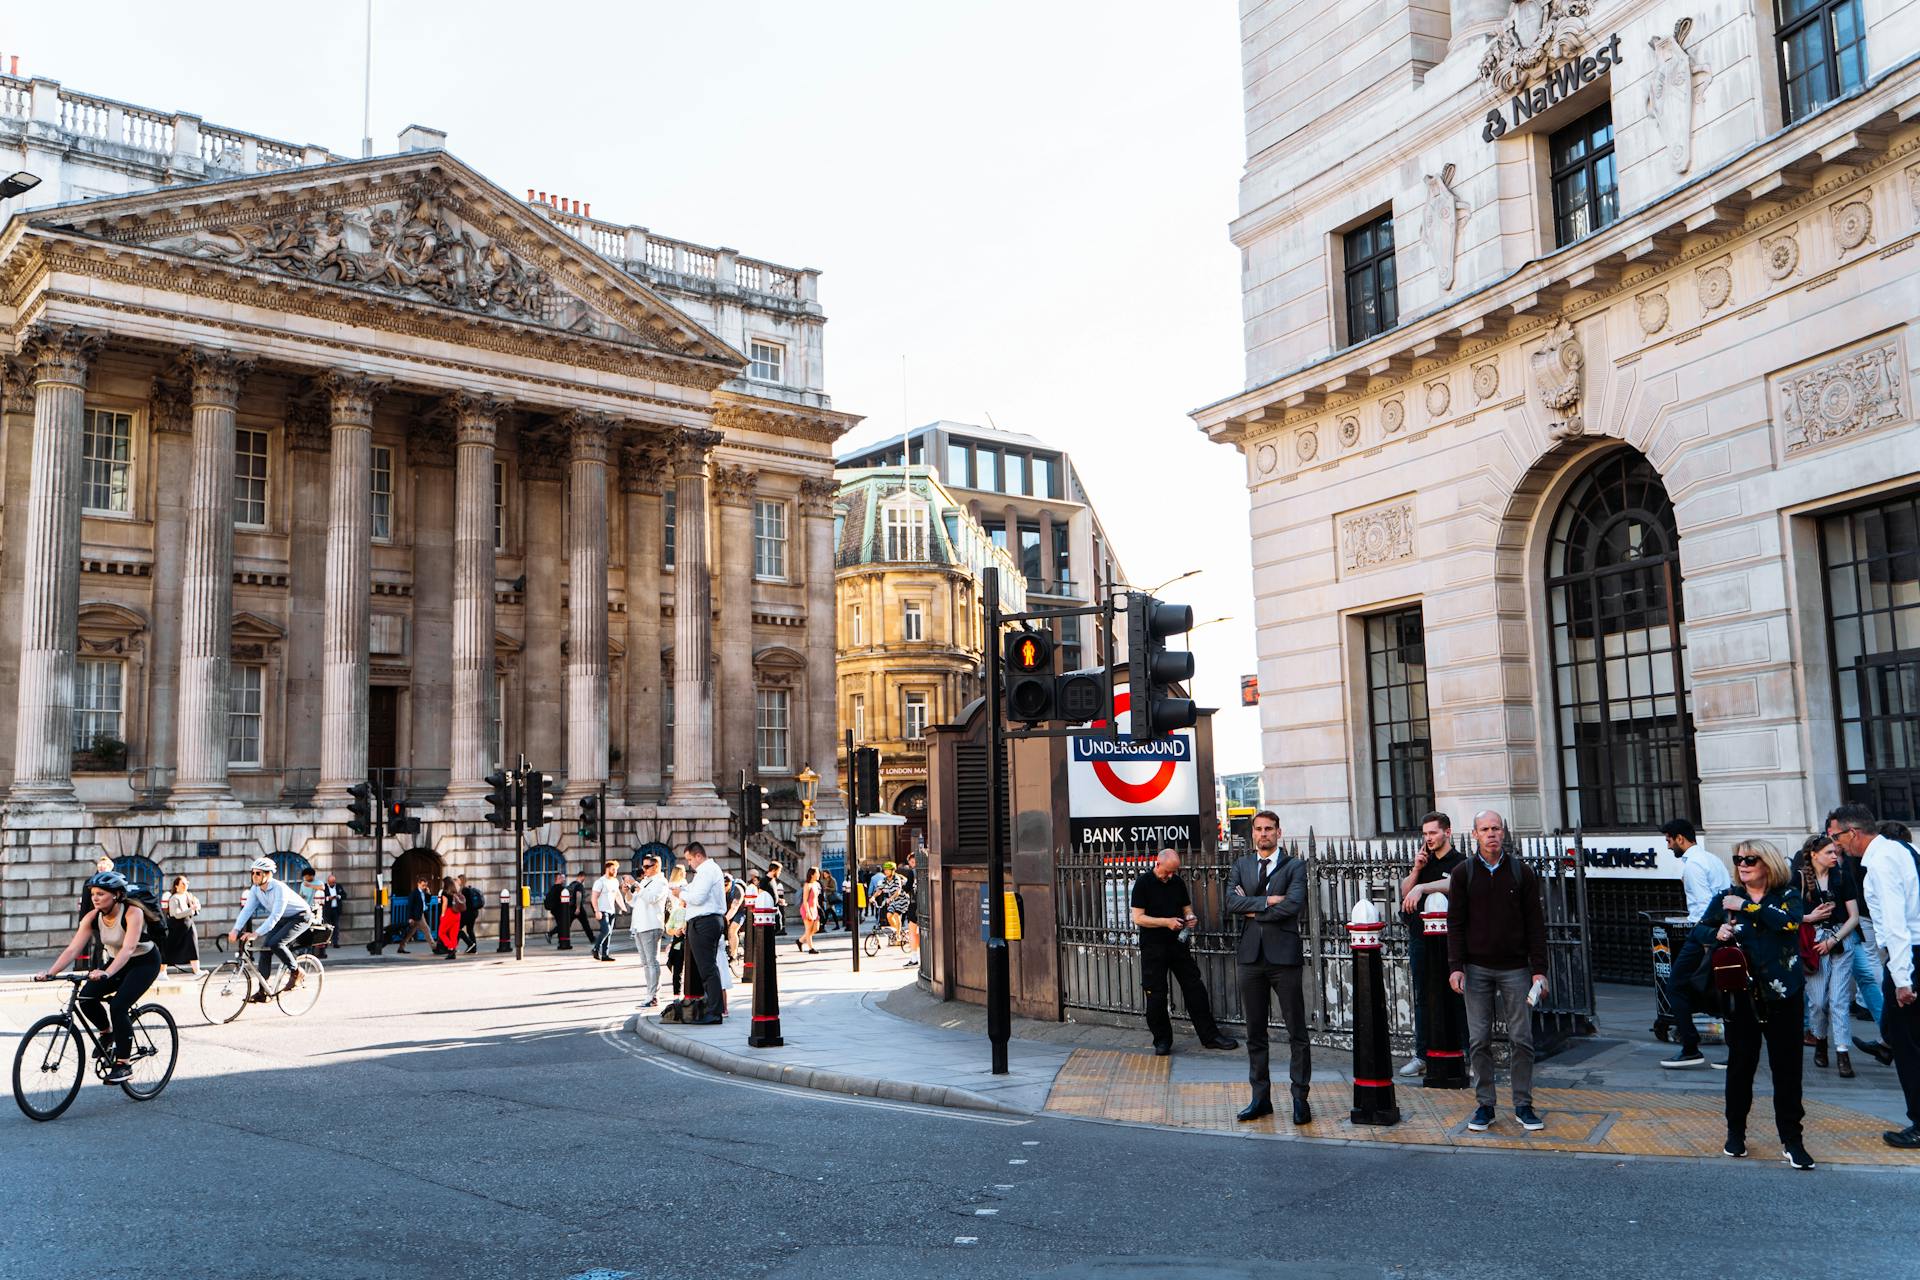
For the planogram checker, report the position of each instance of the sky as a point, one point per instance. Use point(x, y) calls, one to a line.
point(1019, 209)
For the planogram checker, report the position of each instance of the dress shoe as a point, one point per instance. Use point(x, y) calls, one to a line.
point(1302, 1113)
point(1907, 1139)
point(1844, 1061)
point(1162, 1050)
point(1819, 1053)
point(1262, 1105)
point(1878, 1051)
point(1221, 1042)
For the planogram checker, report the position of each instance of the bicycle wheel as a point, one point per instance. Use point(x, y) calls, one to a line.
point(872, 944)
point(47, 1068)
point(156, 1047)
point(295, 1001)
point(224, 992)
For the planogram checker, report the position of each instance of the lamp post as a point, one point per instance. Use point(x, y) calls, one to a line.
point(809, 784)
point(16, 183)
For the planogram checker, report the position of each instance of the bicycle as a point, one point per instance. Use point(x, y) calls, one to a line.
point(227, 988)
point(47, 1069)
point(885, 936)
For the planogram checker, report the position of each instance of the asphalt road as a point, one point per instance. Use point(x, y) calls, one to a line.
point(477, 1119)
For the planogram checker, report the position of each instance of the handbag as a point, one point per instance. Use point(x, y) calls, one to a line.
point(1809, 958)
point(1729, 968)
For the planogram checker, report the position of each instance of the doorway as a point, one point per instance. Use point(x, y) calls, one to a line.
point(383, 727)
point(911, 837)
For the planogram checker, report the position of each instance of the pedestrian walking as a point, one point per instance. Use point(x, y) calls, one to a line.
point(649, 922)
point(309, 891)
point(582, 905)
point(1433, 863)
point(607, 901)
point(1163, 913)
point(677, 926)
point(453, 904)
point(1864, 956)
point(476, 904)
point(773, 886)
point(1703, 877)
point(559, 905)
point(1497, 960)
point(1761, 916)
point(830, 901)
point(737, 910)
point(706, 901)
point(809, 913)
point(1830, 909)
point(1893, 894)
point(1267, 890)
point(183, 906)
point(332, 901)
point(911, 875)
point(415, 921)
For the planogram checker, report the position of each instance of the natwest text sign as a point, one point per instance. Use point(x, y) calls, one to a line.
point(1559, 84)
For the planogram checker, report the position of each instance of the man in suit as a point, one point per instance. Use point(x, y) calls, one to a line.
point(1268, 891)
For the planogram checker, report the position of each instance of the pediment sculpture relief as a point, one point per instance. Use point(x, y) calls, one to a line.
point(1559, 368)
point(1677, 86)
point(1442, 215)
point(1535, 33)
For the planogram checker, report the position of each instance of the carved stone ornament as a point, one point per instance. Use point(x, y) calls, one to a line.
point(305, 420)
point(1349, 429)
point(217, 375)
point(1853, 223)
point(1265, 458)
point(589, 435)
point(1780, 255)
point(1393, 416)
point(169, 408)
point(817, 494)
point(1652, 311)
point(1381, 536)
point(1559, 368)
point(1677, 86)
point(1913, 188)
point(430, 442)
point(543, 455)
point(1715, 284)
point(643, 466)
point(1486, 381)
point(1860, 390)
point(1439, 399)
point(733, 485)
point(60, 352)
point(691, 447)
point(1535, 33)
point(18, 389)
point(1306, 445)
point(1443, 214)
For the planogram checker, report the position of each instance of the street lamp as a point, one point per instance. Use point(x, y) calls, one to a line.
point(1225, 617)
point(1191, 573)
point(809, 783)
point(13, 184)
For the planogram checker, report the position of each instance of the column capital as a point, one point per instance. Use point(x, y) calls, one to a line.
point(60, 352)
point(351, 396)
point(690, 448)
point(170, 406)
point(306, 420)
point(430, 443)
point(16, 395)
point(733, 486)
point(817, 494)
point(476, 417)
point(217, 374)
point(643, 466)
point(590, 433)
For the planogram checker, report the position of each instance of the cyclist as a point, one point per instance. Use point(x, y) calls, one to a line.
point(274, 912)
point(109, 994)
point(893, 899)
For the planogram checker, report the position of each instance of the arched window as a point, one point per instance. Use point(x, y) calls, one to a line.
point(538, 866)
point(287, 867)
point(1619, 657)
point(140, 870)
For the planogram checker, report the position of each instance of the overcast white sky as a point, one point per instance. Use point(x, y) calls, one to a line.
point(1027, 200)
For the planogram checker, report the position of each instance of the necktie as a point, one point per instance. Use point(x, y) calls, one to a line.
point(1266, 870)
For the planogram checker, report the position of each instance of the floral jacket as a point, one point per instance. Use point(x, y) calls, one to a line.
point(1769, 932)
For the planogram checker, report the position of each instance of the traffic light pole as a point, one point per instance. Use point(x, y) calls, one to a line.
point(999, 971)
point(850, 891)
point(520, 860)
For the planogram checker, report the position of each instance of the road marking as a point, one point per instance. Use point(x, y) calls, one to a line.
point(1003, 1186)
point(613, 1033)
point(966, 1239)
point(1029, 1144)
point(1016, 1162)
point(985, 1213)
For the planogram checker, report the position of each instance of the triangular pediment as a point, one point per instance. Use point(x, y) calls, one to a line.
point(420, 227)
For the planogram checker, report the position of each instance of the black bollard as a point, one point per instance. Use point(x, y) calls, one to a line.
point(765, 1032)
point(1446, 1055)
point(1373, 1101)
point(506, 920)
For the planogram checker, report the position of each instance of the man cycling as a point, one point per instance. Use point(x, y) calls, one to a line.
point(274, 912)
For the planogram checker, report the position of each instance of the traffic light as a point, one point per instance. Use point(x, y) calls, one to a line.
point(1080, 697)
point(540, 793)
point(401, 822)
point(589, 818)
point(753, 808)
point(1029, 668)
point(1152, 668)
point(866, 780)
point(360, 809)
point(500, 800)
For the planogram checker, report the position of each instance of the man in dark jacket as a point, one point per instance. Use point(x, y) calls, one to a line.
point(559, 905)
point(1268, 892)
point(1497, 957)
point(580, 913)
point(474, 902)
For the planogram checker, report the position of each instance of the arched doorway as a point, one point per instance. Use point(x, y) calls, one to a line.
point(910, 804)
point(288, 866)
point(407, 870)
point(140, 870)
point(538, 866)
point(1615, 635)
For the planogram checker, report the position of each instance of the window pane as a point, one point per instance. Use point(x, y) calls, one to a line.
point(382, 486)
point(770, 706)
point(244, 712)
point(1043, 478)
point(1396, 700)
point(959, 472)
point(987, 464)
point(668, 500)
point(106, 467)
point(1016, 473)
point(770, 539)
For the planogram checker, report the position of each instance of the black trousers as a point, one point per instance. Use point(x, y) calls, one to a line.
point(1259, 983)
point(1680, 997)
point(106, 1002)
point(1161, 962)
point(1900, 1029)
point(1786, 1057)
point(563, 925)
point(703, 940)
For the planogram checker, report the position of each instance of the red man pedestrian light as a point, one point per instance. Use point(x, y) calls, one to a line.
point(1029, 676)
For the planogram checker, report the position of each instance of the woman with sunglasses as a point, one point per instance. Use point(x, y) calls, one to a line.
point(1761, 916)
point(1833, 912)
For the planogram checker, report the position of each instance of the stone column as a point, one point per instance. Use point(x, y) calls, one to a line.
point(642, 468)
point(822, 750)
point(349, 583)
point(50, 596)
point(310, 466)
point(206, 587)
point(476, 422)
point(692, 622)
point(1049, 568)
point(733, 490)
point(587, 554)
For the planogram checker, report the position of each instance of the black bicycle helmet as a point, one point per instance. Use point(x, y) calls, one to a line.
point(112, 881)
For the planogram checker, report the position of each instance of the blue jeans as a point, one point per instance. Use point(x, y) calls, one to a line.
point(603, 936)
point(274, 942)
point(1865, 956)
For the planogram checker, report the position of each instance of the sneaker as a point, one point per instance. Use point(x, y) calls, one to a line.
point(1685, 1058)
point(1482, 1120)
point(1529, 1119)
point(1796, 1156)
point(1414, 1067)
point(1717, 1066)
point(119, 1071)
point(1735, 1147)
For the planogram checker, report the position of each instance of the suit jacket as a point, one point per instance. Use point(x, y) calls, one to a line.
point(1268, 934)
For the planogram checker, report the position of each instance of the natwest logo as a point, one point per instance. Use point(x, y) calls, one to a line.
point(1559, 84)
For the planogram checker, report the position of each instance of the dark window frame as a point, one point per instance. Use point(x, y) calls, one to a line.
point(1400, 742)
point(1818, 16)
point(1892, 790)
point(1562, 169)
point(1370, 273)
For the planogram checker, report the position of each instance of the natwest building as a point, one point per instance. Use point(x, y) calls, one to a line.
point(1579, 421)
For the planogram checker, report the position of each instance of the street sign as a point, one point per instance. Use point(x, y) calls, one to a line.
point(1123, 793)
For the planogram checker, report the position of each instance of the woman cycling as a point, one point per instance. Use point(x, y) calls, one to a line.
point(133, 962)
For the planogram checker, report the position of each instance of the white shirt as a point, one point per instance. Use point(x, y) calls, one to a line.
point(704, 894)
point(606, 895)
point(650, 904)
point(1893, 896)
point(1704, 877)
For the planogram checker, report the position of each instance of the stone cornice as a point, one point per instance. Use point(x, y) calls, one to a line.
point(771, 417)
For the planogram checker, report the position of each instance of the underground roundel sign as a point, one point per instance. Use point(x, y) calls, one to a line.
point(1122, 793)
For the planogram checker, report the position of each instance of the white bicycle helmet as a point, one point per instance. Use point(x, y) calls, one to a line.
point(262, 864)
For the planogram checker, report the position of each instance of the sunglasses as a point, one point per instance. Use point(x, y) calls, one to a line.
point(1745, 860)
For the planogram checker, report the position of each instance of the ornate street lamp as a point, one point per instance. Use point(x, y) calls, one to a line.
point(809, 786)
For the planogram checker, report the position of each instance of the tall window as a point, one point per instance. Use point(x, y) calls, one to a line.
point(959, 465)
point(1619, 657)
point(859, 709)
point(905, 523)
point(913, 717)
point(666, 723)
point(768, 361)
point(245, 696)
point(1373, 299)
point(669, 511)
point(913, 621)
point(770, 730)
point(250, 479)
point(106, 463)
point(1043, 478)
point(382, 486)
point(1586, 196)
point(499, 506)
point(1823, 53)
point(1069, 644)
point(1016, 473)
point(856, 626)
point(770, 540)
point(1030, 560)
point(496, 715)
point(1872, 561)
point(1062, 554)
point(998, 532)
point(96, 701)
point(986, 469)
point(1402, 752)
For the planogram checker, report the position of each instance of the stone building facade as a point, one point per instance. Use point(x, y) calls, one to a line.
point(365, 466)
point(1579, 419)
point(909, 564)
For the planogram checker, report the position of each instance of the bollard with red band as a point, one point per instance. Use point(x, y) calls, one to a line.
point(506, 920)
point(765, 1030)
point(1446, 1055)
point(1373, 1101)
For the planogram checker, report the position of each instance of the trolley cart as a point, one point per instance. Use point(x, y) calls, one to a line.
point(1667, 934)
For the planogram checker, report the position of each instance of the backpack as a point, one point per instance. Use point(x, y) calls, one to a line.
point(476, 901)
point(167, 934)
